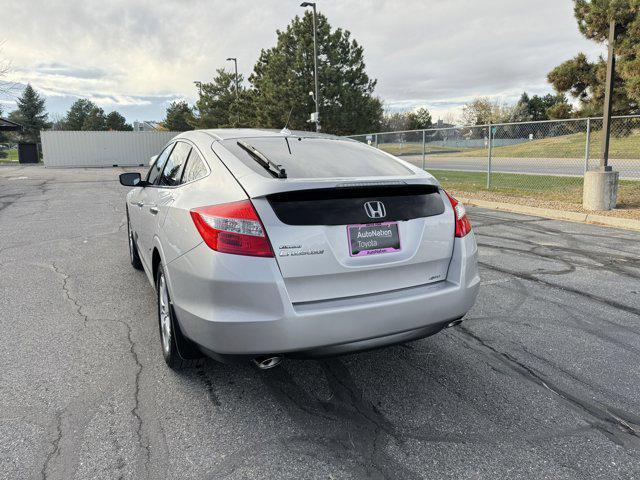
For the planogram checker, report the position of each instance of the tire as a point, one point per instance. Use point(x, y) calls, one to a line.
point(133, 249)
point(178, 351)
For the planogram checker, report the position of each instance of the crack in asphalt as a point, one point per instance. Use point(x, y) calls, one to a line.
point(67, 293)
point(55, 446)
point(135, 410)
point(620, 427)
point(120, 461)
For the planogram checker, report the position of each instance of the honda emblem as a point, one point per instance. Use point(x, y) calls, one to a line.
point(375, 209)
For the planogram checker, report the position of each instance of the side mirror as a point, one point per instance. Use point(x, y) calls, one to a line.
point(131, 179)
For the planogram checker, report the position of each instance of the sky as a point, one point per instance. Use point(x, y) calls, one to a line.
point(137, 56)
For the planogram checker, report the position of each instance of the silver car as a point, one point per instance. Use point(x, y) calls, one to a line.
point(264, 244)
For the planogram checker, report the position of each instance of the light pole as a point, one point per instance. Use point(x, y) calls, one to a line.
point(316, 116)
point(608, 92)
point(235, 63)
point(600, 187)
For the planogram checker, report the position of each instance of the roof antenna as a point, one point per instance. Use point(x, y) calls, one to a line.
point(285, 130)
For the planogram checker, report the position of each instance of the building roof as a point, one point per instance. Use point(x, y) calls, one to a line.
point(9, 126)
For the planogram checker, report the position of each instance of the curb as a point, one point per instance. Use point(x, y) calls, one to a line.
point(591, 218)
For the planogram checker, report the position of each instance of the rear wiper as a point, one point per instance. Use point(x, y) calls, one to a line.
point(273, 168)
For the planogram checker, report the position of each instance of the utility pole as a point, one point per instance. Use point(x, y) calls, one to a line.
point(235, 62)
point(316, 116)
point(606, 118)
point(600, 187)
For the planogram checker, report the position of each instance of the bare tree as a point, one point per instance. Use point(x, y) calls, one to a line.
point(6, 87)
point(483, 110)
point(57, 121)
point(450, 118)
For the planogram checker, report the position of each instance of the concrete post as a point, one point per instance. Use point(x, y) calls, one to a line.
point(489, 155)
point(600, 190)
point(424, 147)
point(587, 146)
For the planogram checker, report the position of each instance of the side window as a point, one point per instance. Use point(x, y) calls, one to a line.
point(173, 169)
point(195, 168)
point(158, 165)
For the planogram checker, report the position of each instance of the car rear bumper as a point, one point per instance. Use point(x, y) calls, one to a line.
point(249, 313)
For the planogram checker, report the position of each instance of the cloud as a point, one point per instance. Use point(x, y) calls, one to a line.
point(62, 69)
point(139, 55)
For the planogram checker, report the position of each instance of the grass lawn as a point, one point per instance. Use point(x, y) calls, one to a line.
point(542, 188)
point(413, 148)
point(12, 156)
point(564, 146)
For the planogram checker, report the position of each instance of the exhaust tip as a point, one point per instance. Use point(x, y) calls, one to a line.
point(454, 323)
point(267, 362)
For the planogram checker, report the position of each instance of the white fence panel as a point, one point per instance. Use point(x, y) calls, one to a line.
point(101, 149)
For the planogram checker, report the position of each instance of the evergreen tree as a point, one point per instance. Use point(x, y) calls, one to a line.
point(179, 117)
point(418, 120)
point(78, 113)
point(218, 106)
point(95, 120)
point(559, 111)
point(32, 114)
point(538, 107)
point(115, 121)
point(585, 80)
point(284, 75)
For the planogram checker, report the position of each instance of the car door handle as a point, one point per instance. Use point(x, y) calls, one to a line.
point(153, 209)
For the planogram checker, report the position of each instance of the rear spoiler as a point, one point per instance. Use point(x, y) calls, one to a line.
point(345, 205)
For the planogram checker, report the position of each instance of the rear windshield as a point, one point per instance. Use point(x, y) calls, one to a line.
point(304, 157)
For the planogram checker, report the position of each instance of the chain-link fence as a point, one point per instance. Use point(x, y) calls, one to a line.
point(530, 158)
point(8, 151)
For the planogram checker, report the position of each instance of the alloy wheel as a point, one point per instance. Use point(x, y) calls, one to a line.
point(165, 315)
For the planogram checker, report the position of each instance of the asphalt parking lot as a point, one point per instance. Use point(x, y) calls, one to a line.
point(540, 381)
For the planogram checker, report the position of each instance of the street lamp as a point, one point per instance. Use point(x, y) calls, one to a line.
point(235, 62)
point(608, 93)
point(600, 187)
point(316, 115)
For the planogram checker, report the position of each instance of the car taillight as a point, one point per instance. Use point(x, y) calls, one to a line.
point(463, 226)
point(232, 228)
